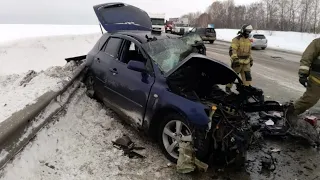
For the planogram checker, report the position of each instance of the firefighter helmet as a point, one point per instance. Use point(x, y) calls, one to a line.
point(246, 29)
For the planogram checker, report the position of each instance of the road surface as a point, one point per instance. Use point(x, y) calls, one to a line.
point(274, 72)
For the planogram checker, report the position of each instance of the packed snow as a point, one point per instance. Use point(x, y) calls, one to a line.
point(292, 41)
point(32, 60)
point(17, 91)
point(78, 146)
point(40, 53)
point(10, 32)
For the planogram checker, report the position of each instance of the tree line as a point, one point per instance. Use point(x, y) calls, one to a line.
point(275, 15)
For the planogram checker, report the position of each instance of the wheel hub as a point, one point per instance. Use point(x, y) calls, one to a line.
point(174, 133)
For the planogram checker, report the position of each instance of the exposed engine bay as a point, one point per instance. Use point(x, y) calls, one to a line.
point(230, 131)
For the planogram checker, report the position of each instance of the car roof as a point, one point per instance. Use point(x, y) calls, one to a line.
point(141, 35)
point(257, 34)
point(204, 27)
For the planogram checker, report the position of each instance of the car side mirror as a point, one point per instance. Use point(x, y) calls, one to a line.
point(137, 66)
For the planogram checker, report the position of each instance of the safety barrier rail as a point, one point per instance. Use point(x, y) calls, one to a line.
point(17, 130)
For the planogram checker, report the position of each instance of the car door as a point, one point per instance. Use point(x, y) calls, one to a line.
point(101, 62)
point(130, 88)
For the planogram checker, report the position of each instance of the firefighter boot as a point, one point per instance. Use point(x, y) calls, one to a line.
point(302, 128)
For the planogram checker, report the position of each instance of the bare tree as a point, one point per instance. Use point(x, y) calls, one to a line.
point(283, 6)
point(192, 17)
point(316, 14)
point(203, 20)
point(283, 15)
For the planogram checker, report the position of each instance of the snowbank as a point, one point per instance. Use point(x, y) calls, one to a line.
point(17, 91)
point(78, 146)
point(292, 41)
point(9, 32)
point(40, 53)
point(32, 66)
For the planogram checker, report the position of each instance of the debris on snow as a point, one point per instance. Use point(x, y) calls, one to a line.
point(187, 162)
point(125, 143)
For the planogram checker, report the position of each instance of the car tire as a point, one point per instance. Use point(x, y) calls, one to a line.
point(263, 48)
point(89, 83)
point(168, 137)
point(211, 42)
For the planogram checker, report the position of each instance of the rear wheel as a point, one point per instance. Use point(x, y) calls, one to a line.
point(172, 131)
point(263, 48)
point(211, 42)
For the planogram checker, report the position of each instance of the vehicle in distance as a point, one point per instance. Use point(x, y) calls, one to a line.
point(258, 41)
point(206, 34)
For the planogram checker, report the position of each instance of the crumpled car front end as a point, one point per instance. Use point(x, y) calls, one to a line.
point(228, 134)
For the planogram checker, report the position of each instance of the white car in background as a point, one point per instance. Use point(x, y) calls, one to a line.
point(258, 41)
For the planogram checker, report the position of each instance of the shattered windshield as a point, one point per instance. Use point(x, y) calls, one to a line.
point(167, 53)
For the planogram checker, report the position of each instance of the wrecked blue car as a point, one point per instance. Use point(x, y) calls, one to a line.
point(165, 86)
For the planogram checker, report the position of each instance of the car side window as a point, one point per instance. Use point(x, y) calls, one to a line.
point(130, 51)
point(112, 47)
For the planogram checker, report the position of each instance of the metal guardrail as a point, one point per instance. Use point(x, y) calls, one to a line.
point(17, 130)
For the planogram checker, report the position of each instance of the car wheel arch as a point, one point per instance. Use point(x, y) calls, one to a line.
point(159, 115)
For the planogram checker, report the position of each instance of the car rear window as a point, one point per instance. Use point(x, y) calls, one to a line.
point(210, 30)
point(112, 46)
point(259, 36)
point(201, 30)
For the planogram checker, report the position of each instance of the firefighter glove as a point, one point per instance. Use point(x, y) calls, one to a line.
point(303, 79)
point(235, 63)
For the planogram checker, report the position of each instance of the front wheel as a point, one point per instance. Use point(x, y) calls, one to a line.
point(211, 42)
point(173, 130)
point(263, 48)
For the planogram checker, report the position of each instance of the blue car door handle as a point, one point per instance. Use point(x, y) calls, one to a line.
point(114, 71)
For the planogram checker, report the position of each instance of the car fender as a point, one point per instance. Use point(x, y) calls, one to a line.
point(166, 102)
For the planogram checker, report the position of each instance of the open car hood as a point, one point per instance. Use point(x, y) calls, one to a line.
point(197, 66)
point(120, 16)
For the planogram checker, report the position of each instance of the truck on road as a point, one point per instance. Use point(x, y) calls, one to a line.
point(180, 26)
point(158, 21)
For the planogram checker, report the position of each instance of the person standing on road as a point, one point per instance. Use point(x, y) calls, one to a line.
point(240, 53)
point(309, 77)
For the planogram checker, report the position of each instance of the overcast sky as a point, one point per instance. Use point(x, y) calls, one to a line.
point(81, 12)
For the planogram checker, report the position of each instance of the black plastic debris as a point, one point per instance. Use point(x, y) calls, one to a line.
point(125, 143)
